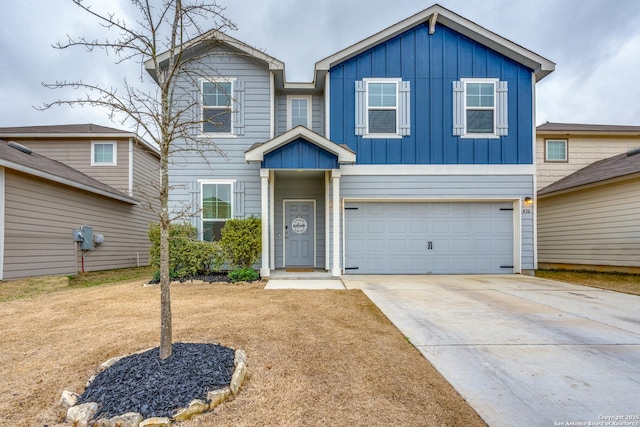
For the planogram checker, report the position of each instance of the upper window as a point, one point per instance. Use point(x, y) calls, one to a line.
point(216, 200)
point(216, 106)
point(555, 150)
point(103, 154)
point(299, 111)
point(480, 108)
point(382, 108)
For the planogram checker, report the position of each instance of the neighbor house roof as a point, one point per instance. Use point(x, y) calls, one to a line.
point(72, 131)
point(436, 13)
point(622, 165)
point(587, 129)
point(20, 158)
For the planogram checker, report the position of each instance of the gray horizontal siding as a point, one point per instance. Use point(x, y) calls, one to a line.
point(317, 114)
point(599, 226)
point(40, 217)
point(451, 187)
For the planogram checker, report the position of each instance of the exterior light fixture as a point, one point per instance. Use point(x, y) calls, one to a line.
point(528, 201)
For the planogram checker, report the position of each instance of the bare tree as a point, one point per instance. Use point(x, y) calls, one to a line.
point(169, 37)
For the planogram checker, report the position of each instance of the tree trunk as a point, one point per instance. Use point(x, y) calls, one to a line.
point(166, 338)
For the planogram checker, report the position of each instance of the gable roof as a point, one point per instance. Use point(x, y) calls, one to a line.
point(342, 152)
point(43, 167)
point(587, 129)
point(436, 13)
point(619, 166)
point(87, 130)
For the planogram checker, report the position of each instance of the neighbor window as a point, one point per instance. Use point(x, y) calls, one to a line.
point(299, 111)
point(480, 108)
point(217, 208)
point(555, 150)
point(216, 106)
point(103, 154)
point(383, 108)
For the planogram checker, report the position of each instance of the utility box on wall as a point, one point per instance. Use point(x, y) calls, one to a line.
point(84, 236)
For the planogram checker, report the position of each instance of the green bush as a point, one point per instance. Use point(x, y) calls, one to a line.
point(244, 274)
point(187, 256)
point(241, 242)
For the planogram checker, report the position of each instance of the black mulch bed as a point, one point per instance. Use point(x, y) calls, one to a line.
point(157, 388)
point(210, 278)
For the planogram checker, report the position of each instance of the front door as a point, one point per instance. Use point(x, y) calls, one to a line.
point(299, 233)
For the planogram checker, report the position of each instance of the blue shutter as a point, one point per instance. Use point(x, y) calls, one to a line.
point(361, 107)
point(238, 108)
point(404, 108)
point(502, 122)
point(458, 107)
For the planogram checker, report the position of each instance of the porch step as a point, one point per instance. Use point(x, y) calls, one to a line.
point(304, 284)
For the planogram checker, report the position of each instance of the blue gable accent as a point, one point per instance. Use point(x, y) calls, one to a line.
point(431, 63)
point(300, 154)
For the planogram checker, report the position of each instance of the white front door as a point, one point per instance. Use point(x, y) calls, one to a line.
point(299, 233)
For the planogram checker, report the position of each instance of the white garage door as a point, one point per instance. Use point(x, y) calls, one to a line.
point(428, 238)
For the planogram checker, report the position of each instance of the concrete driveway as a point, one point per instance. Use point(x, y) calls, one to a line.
point(522, 351)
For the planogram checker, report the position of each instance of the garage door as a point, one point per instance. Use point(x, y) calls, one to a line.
point(428, 238)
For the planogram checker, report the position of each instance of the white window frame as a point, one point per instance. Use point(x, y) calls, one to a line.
point(566, 151)
point(487, 135)
point(232, 113)
point(201, 184)
point(368, 134)
point(113, 144)
point(290, 99)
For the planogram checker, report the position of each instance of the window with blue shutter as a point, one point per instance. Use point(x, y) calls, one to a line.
point(383, 108)
point(480, 108)
point(222, 107)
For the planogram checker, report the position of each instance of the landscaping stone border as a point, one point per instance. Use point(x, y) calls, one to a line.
point(82, 415)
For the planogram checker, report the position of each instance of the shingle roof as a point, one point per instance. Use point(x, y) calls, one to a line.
point(44, 167)
point(614, 167)
point(584, 128)
point(66, 129)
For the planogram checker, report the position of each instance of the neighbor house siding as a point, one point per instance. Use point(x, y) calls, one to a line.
point(223, 157)
point(598, 226)
point(435, 188)
point(146, 179)
point(40, 217)
point(431, 63)
point(581, 152)
point(76, 153)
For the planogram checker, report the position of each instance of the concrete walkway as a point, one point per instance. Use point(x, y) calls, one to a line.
point(521, 350)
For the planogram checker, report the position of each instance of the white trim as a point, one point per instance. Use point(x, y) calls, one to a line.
point(284, 223)
point(409, 170)
point(114, 144)
point(272, 105)
point(327, 106)
point(546, 150)
point(272, 218)
point(257, 154)
point(541, 66)
point(264, 212)
point(534, 143)
point(131, 151)
point(232, 111)
point(516, 218)
point(327, 215)
point(65, 181)
point(201, 182)
point(2, 220)
point(465, 134)
point(336, 268)
point(309, 100)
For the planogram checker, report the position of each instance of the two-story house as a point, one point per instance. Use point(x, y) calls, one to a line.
point(59, 178)
point(412, 151)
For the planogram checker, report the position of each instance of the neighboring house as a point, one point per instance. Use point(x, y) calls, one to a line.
point(589, 219)
point(70, 176)
point(564, 148)
point(412, 151)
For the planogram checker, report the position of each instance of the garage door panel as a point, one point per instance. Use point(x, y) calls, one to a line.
point(428, 238)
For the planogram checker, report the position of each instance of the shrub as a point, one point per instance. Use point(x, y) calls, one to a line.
point(187, 256)
point(244, 274)
point(241, 241)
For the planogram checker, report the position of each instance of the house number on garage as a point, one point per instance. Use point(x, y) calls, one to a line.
point(299, 225)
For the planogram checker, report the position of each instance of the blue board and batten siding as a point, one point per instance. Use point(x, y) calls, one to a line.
point(300, 154)
point(432, 63)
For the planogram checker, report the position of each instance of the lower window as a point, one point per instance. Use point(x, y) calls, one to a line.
point(217, 207)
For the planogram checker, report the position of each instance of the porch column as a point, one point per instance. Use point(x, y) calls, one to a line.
point(336, 269)
point(264, 198)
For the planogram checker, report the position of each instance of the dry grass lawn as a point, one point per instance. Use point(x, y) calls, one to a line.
point(620, 282)
point(315, 358)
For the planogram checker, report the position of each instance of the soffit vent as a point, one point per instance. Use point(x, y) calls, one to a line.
point(20, 147)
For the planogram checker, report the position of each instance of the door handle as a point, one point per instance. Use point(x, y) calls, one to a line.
point(429, 246)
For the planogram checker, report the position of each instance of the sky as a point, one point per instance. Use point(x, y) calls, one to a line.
point(594, 43)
